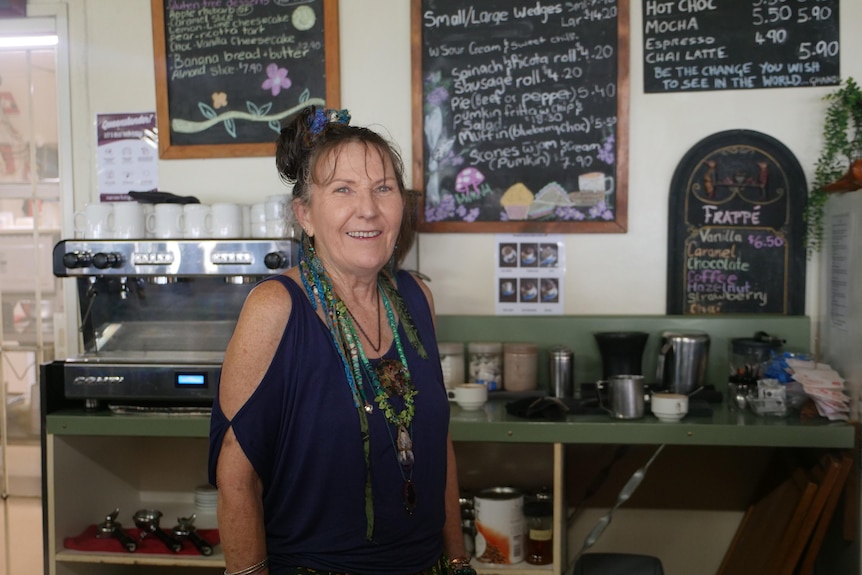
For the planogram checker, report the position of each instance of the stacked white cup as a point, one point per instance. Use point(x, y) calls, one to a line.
point(257, 216)
point(129, 221)
point(197, 221)
point(278, 215)
point(227, 220)
point(166, 221)
point(95, 221)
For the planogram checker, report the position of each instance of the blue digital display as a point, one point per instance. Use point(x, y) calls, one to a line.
point(191, 380)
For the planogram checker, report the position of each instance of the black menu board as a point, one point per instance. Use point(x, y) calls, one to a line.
point(693, 45)
point(521, 115)
point(228, 73)
point(736, 231)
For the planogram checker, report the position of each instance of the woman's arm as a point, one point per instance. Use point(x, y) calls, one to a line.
point(453, 536)
point(249, 353)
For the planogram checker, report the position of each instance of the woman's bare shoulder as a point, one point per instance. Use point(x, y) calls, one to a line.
point(258, 331)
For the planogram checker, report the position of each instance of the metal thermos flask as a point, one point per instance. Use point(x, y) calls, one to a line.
point(561, 371)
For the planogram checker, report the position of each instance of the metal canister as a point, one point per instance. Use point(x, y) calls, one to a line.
point(500, 525)
point(561, 370)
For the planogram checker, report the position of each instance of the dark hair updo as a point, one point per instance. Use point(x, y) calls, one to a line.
point(310, 135)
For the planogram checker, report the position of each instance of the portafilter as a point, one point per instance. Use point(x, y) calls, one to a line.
point(147, 521)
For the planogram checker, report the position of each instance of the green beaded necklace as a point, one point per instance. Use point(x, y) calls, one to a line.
point(389, 378)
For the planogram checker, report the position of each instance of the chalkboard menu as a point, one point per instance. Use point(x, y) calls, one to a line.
point(692, 45)
point(521, 115)
point(228, 72)
point(736, 236)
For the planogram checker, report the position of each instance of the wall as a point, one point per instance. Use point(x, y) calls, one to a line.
point(111, 60)
point(112, 72)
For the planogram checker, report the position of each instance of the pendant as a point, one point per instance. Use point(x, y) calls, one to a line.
point(393, 376)
point(409, 494)
point(404, 444)
point(368, 407)
point(405, 458)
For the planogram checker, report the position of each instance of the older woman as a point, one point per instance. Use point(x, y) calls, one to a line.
point(329, 437)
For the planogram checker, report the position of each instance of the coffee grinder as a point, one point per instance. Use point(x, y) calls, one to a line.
point(621, 352)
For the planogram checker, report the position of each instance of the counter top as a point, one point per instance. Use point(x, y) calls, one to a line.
point(723, 427)
point(492, 423)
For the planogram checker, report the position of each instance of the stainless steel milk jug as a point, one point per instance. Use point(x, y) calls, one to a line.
point(682, 361)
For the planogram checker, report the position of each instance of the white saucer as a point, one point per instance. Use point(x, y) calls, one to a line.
point(669, 417)
point(467, 406)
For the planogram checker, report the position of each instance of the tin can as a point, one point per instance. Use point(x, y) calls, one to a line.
point(500, 525)
point(519, 366)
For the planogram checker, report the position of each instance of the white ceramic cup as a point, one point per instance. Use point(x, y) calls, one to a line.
point(227, 220)
point(596, 182)
point(469, 396)
point(129, 221)
point(257, 215)
point(148, 209)
point(197, 221)
point(669, 406)
point(95, 221)
point(277, 207)
point(166, 221)
point(276, 228)
point(246, 220)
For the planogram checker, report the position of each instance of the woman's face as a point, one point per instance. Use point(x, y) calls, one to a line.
point(354, 214)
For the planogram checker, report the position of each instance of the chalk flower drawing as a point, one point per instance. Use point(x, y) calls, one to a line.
point(569, 213)
point(442, 158)
point(442, 211)
point(277, 79)
point(219, 100)
point(601, 211)
point(606, 154)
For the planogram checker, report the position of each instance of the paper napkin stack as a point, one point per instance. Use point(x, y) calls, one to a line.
point(824, 386)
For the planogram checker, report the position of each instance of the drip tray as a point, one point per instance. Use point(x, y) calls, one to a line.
point(163, 336)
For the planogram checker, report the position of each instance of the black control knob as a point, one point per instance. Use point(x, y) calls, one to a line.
point(107, 260)
point(74, 260)
point(276, 260)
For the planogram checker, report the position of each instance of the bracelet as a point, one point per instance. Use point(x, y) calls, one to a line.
point(259, 566)
point(461, 566)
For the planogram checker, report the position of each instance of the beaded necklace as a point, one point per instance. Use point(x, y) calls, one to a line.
point(388, 378)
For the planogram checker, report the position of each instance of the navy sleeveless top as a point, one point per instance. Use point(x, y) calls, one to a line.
point(300, 431)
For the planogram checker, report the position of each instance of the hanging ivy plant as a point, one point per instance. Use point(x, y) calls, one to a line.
point(842, 144)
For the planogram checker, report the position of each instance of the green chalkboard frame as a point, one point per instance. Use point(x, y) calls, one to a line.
point(170, 150)
point(617, 225)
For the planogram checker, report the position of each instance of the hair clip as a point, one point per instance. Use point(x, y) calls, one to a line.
point(321, 118)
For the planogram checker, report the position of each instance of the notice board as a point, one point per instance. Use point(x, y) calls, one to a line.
point(228, 73)
point(521, 115)
point(695, 45)
point(736, 230)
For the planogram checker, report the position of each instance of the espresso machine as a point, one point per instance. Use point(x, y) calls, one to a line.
point(155, 318)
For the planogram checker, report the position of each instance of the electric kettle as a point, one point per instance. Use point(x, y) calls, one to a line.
point(682, 361)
